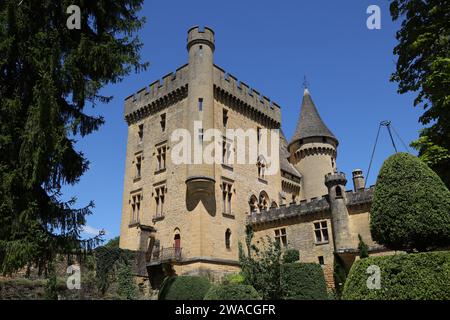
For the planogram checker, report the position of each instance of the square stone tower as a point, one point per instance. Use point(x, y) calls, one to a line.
point(178, 208)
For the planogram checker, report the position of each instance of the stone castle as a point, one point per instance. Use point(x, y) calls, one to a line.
point(189, 218)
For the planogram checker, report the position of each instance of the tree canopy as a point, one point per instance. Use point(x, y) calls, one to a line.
point(423, 67)
point(49, 74)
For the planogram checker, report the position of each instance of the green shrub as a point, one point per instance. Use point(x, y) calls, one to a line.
point(184, 288)
point(303, 281)
point(127, 288)
point(363, 248)
point(291, 255)
point(232, 291)
point(235, 278)
point(411, 205)
point(403, 277)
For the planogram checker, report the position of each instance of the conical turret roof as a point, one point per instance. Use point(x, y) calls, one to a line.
point(310, 124)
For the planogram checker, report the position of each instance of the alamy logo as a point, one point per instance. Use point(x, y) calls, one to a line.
point(74, 280)
point(74, 20)
point(374, 280)
point(212, 147)
point(374, 20)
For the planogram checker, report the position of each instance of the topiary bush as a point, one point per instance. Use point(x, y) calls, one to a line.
point(411, 206)
point(184, 288)
point(303, 281)
point(415, 276)
point(291, 255)
point(232, 291)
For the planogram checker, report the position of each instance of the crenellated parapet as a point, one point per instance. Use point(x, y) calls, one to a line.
point(315, 205)
point(293, 211)
point(228, 87)
point(360, 197)
point(335, 178)
point(160, 93)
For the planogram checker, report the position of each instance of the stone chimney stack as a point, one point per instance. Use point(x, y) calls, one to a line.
point(358, 179)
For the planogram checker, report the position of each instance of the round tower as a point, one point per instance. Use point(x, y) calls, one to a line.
point(313, 149)
point(200, 104)
point(335, 183)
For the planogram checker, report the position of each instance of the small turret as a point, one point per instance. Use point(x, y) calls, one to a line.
point(335, 183)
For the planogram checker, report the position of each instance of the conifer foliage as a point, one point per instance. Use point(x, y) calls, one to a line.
point(49, 74)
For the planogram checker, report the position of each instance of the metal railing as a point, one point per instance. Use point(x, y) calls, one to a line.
point(165, 255)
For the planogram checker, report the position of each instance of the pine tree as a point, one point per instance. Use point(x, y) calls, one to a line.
point(48, 75)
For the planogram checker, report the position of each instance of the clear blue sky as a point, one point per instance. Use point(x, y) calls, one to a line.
point(270, 45)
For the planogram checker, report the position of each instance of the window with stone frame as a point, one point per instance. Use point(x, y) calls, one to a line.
point(163, 122)
point(321, 232)
point(140, 133)
point(200, 135)
point(225, 117)
point(227, 193)
point(161, 157)
point(281, 237)
point(228, 239)
point(138, 166)
point(226, 151)
point(253, 203)
point(160, 193)
point(135, 208)
point(261, 164)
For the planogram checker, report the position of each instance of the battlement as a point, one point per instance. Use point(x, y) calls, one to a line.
point(360, 197)
point(315, 205)
point(197, 35)
point(229, 84)
point(156, 90)
point(292, 211)
point(335, 178)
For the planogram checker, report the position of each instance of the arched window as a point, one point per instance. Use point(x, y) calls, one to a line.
point(263, 201)
point(228, 239)
point(273, 205)
point(338, 192)
point(253, 202)
point(177, 241)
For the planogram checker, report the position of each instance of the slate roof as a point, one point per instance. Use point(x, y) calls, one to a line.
point(310, 124)
point(285, 165)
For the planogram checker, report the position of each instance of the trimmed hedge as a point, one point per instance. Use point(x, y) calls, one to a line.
point(232, 291)
point(184, 288)
point(303, 281)
point(418, 276)
point(411, 205)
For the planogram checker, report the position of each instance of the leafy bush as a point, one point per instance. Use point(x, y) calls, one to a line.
point(127, 288)
point(291, 255)
point(261, 267)
point(419, 276)
point(411, 205)
point(303, 281)
point(232, 291)
point(234, 278)
point(363, 248)
point(184, 288)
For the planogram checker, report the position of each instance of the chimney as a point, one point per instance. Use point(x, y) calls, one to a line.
point(358, 179)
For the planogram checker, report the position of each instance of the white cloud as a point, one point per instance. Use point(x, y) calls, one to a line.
point(91, 231)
